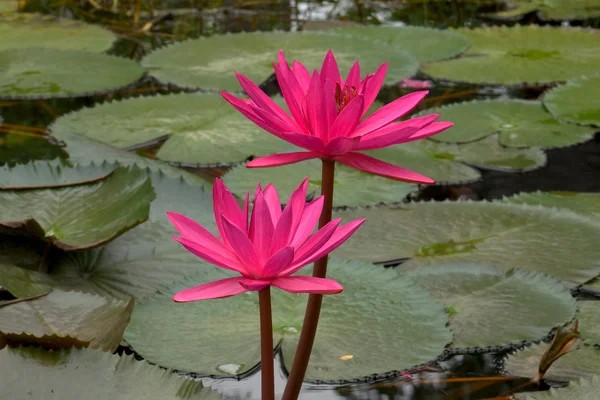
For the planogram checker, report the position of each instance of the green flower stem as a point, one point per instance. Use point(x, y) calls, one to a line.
point(266, 345)
point(313, 308)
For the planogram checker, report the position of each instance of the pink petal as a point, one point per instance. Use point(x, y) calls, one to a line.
point(272, 199)
point(296, 204)
point(254, 284)
point(373, 86)
point(243, 247)
point(389, 113)
point(308, 222)
point(305, 141)
point(307, 284)
point(314, 107)
point(395, 133)
point(329, 107)
point(191, 230)
point(415, 84)
point(213, 256)
point(353, 79)
point(431, 130)
point(218, 208)
point(246, 110)
point(341, 145)
point(246, 210)
point(330, 69)
point(282, 231)
point(302, 75)
point(277, 160)
point(276, 123)
point(292, 94)
point(278, 262)
point(378, 167)
point(212, 290)
point(230, 208)
point(348, 119)
point(261, 228)
point(314, 243)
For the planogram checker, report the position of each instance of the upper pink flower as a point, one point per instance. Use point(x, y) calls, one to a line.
point(264, 249)
point(327, 117)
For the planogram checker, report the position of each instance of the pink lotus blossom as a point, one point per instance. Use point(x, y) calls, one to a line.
point(328, 117)
point(415, 84)
point(265, 248)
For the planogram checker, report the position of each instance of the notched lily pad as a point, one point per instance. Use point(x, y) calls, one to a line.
point(40, 73)
point(79, 217)
point(556, 10)
point(65, 319)
point(23, 282)
point(92, 375)
point(521, 54)
point(589, 321)
point(491, 307)
point(167, 333)
point(577, 102)
point(210, 63)
point(582, 203)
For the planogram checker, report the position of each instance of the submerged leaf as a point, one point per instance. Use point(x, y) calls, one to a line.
point(577, 102)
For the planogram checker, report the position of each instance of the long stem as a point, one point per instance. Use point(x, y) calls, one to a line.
point(313, 308)
point(266, 345)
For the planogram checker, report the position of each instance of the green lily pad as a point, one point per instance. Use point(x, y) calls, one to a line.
point(554, 9)
point(166, 333)
point(426, 44)
point(39, 73)
point(91, 375)
point(34, 30)
point(210, 63)
point(9, 7)
point(201, 128)
point(581, 363)
point(490, 307)
point(518, 123)
point(79, 217)
point(577, 102)
point(352, 187)
point(39, 174)
point(589, 321)
point(502, 235)
point(585, 389)
point(22, 282)
point(582, 203)
point(65, 319)
point(521, 54)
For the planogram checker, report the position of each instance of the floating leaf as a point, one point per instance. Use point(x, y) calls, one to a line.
point(554, 9)
point(352, 187)
point(585, 389)
point(210, 63)
point(65, 319)
point(426, 44)
point(490, 307)
point(578, 101)
point(22, 282)
point(581, 363)
point(521, 54)
point(518, 123)
point(589, 321)
point(79, 217)
point(502, 235)
point(167, 333)
point(91, 375)
point(582, 203)
point(39, 174)
point(34, 30)
point(37, 73)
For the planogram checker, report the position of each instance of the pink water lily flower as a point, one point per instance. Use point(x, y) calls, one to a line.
point(265, 248)
point(328, 117)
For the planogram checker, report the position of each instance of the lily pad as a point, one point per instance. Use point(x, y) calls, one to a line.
point(22, 282)
point(518, 123)
point(502, 235)
point(577, 102)
point(9, 6)
point(521, 54)
point(554, 9)
point(210, 63)
point(166, 333)
point(582, 203)
point(79, 217)
point(39, 73)
point(39, 174)
point(91, 375)
point(35, 30)
point(585, 389)
point(490, 307)
point(352, 187)
point(581, 363)
point(426, 44)
point(64, 319)
point(589, 321)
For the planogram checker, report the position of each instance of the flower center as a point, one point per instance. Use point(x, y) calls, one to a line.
point(344, 96)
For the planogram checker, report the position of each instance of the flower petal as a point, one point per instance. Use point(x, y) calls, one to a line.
point(276, 123)
point(302, 75)
point(296, 204)
point(254, 284)
point(330, 69)
point(369, 164)
point(272, 199)
point(307, 284)
point(191, 230)
point(230, 207)
point(308, 222)
point(246, 110)
point(389, 113)
point(261, 227)
point(395, 133)
point(314, 243)
point(373, 86)
point(348, 119)
point(212, 255)
point(281, 235)
point(430, 130)
point(212, 290)
point(329, 107)
point(341, 145)
point(353, 79)
point(292, 94)
point(313, 107)
point(308, 142)
point(278, 262)
point(277, 160)
point(242, 246)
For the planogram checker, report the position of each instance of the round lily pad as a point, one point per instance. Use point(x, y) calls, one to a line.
point(502, 235)
point(589, 321)
point(427, 44)
point(487, 306)
point(585, 389)
point(210, 63)
point(518, 123)
point(577, 102)
point(521, 54)
point(46, 73)
point(92, 375)
point(351, 187)
point(581, 363)
point(168, 333)
point(34, 30)
point(554, 9)
point(582, 203)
